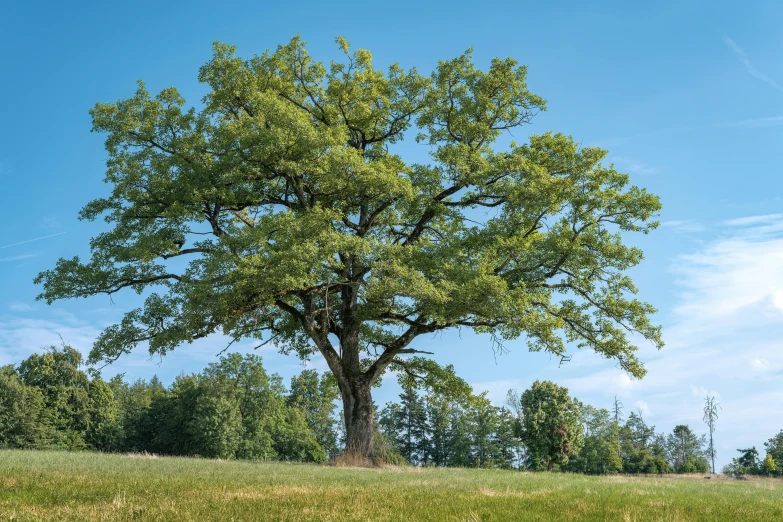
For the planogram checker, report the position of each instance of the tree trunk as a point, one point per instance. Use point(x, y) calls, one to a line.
point(358, 412)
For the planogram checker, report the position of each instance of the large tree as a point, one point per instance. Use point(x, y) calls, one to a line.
point(288, 193)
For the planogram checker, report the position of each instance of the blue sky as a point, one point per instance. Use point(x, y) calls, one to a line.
point(687, 99)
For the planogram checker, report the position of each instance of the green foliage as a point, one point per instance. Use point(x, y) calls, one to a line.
point(231, 410)
point(316, 398)
point(550, 428)
point(504, 441)
point(23, 419)
point(405, 423)
point(104, 431)
point(746, 464)
point(298, 222)
point(386, 451)
point(447, 424)
point(234, 410)
point(138, 422)
point(774, 447)
point(600, 454)
point(642, 450)
point(769, 467)
point(687, 451)
point(81, 413)
point(484, 421)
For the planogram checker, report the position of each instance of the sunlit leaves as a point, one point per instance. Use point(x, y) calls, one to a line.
point(281, 210)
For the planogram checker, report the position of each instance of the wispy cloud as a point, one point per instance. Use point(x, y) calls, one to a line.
point(21, 336)
point(20, 307)
point(748, 123)
point(743, 57)
point(31, 240)
point(732, 282)
point(754, 220)
point(684, 225)
point(643, 408)
point(8, 259)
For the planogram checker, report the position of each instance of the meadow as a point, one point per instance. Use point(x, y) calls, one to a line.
point(47, 485)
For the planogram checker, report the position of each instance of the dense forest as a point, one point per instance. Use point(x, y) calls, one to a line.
point(234, 409)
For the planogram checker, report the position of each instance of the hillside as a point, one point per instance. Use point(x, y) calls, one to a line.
point(84, 486)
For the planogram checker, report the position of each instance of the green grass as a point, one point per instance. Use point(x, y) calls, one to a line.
point(82, 486)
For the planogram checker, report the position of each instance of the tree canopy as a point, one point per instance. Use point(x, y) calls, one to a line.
point(300, 222)
point(550, 428)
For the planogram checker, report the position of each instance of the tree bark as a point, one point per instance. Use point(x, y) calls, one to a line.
point(358, 413)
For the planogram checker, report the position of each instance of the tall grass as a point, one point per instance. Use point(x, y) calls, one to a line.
point(86, 486)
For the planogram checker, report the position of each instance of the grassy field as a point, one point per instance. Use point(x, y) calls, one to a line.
point(79, 486)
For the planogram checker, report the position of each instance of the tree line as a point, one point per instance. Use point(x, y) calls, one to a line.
point(234, 409)
point(543, 428)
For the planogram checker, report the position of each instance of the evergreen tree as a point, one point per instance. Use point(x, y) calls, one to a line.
point(686, 451)
point(460, 440)
point(505, 443)
point(406, 424)
point(316, 398)
point(600, 453)
point(749, 460)
point(483, 421)
point(439, 412)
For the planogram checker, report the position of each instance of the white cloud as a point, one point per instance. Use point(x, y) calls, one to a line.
point(735, 281)
point(700, 392)
point(20, 307)
point(743, 57)
point(8, 259)
point(624, 381)
point(753, 220)
point(633, 166)
point(724, 339)
point(319, 364)
point(643, 408)
point(497, 390)
point(760, 364)
point(684, 225)
point(22, 336)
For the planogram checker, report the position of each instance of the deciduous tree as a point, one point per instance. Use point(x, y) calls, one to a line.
point(774, 447)
point(551, 427)
point(303, 224)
